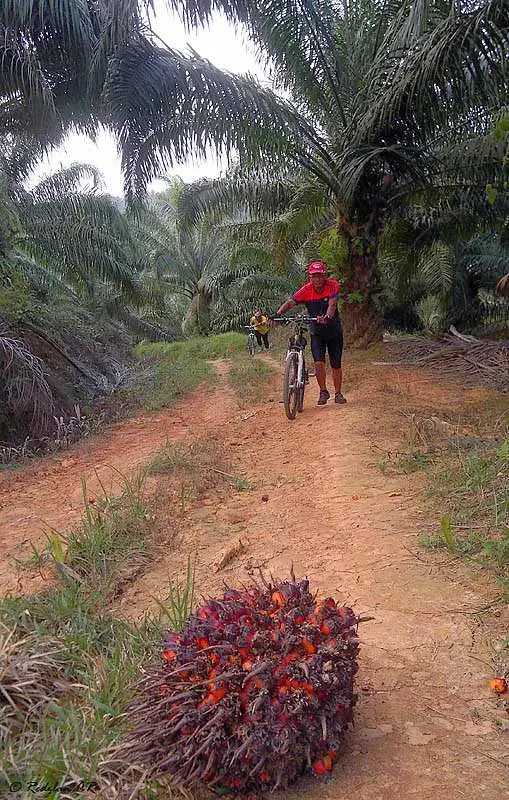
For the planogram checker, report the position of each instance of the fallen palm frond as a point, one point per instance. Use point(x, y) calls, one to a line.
point(24, 388)
point(475, 361)
point(32, 674)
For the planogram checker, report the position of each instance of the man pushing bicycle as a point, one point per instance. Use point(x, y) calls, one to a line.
point(260, 323)
point(320, 296)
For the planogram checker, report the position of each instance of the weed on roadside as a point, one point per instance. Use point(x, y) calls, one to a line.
point(172, 378)
point(83, 666)
point(175, 368)
point(195, 468)
point(412, 462)
point(199, 348)
point(248, 377)
point(112, 540)
point(473, 489)
point(179, 602)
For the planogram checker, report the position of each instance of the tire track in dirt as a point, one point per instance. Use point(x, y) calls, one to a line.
point(425, 725)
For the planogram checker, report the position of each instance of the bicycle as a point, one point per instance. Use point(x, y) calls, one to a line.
point(295, 375)
point(251, 340)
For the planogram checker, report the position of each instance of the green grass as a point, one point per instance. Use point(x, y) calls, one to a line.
point(221, 345)
point(112, 539)
point(61, 743)
point(472, 491)
point(412, 462)
point(248, 376)
point(59, 728)
point(179, 367)
point(195, 468)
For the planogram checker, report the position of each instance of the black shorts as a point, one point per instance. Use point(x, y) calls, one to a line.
point(331, 341)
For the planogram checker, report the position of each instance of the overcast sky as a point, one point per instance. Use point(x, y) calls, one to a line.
point(220, 43)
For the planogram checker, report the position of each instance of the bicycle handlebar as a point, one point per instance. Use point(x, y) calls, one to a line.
point(288, 320)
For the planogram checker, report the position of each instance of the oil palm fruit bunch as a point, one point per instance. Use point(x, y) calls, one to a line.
point(255, 691)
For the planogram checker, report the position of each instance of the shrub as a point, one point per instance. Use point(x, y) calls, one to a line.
point(255, 691)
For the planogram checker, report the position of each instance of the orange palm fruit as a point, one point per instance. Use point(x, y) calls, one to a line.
point(319, 767)
point(499, 685)
point(308, 646)
point(327, 760)
point(168, 655)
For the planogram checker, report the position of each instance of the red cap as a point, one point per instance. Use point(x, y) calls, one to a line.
point(317, 268)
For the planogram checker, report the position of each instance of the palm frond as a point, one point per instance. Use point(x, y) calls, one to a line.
point(436, 265)
point(67, 182)
point(194, 106)
point(503, 286)
point(457, 64)
point(24, 391)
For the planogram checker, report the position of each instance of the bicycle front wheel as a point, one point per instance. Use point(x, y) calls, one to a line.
point(302, 389)
point(290, 390)
point(251, 345)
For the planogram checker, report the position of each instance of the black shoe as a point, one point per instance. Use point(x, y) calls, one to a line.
point(324, 396)
point(339, 398)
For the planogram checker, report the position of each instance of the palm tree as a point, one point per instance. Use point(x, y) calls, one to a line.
point(79, 64)
point(63, 235)
point(218, 279)
point(378, 96)
point(178, 258)
point(366, 140)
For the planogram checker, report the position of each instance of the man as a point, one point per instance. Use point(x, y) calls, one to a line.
point(260, 323)
point(320, 297)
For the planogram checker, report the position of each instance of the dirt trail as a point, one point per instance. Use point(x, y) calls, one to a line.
point(48, 493)
point(426, 724)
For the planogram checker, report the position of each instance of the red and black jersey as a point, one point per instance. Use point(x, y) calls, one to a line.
point(317, 303)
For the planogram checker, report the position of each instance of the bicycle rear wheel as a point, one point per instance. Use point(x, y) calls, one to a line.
point(290, 391)
point(251, 345)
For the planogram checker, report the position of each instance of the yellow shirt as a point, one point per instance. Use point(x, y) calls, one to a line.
point(261, 325)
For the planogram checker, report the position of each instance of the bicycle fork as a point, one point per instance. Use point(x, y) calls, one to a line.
point(301, 372)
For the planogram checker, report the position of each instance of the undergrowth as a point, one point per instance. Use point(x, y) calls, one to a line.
point(179, 367)
point(194, 469)
point(472, 491)
point(112, 540)
point(68, 665)
point(248, 377)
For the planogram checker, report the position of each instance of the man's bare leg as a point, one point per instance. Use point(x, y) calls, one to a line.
point(320, 374)
point(337, 377)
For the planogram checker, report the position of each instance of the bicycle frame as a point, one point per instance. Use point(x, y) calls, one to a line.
point(297, 344)
point(293, 391)
point(251, 339)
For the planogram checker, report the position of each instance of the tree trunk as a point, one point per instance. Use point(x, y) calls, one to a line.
point(197, 319)
point(362, 321)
